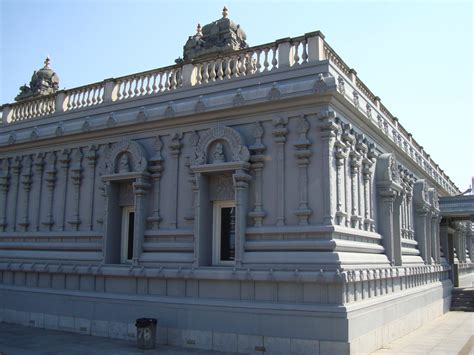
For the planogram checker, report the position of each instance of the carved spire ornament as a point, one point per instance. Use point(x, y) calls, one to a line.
point(43, 82)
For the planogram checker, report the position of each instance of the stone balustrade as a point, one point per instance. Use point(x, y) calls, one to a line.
point(369, 104)
point(281, 54)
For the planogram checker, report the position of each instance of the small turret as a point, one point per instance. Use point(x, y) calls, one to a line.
point(43, 82)
point(222, 35)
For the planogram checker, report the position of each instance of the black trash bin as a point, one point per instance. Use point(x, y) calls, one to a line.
point(146, 333)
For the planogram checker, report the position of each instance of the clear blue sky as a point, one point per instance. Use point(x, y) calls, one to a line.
point(417, 56)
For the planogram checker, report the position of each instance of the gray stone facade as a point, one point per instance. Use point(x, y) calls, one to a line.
point(335, 223)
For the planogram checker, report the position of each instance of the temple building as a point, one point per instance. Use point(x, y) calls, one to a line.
point(252, 199)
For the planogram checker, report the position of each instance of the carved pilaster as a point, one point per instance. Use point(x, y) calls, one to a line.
point(388, 206)
point(355, 163)
point(302, 155)
point(16, 170)
point(140, 189)
point(258, 162)
point(4, 187)
point(422, 209)
point(367, 178)
point(279, 137)
point(175, 148)
point(328, 127)
point(76, 179)
point(50, 173)
point(193, 142)
point(361, 149)
point(340, 154)
point(241, 179)
point(92, 162)
point(156, 168)
point(38, 197)
point(26, 181)
point(64, 160)
point(348, 139)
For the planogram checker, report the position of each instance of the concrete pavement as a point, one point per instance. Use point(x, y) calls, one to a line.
point(450, 334)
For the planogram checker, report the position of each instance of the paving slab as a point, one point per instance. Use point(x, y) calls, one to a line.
point(452, 333)
point(21, 340)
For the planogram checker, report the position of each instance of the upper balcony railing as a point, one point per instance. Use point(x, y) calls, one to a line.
point(284, 53)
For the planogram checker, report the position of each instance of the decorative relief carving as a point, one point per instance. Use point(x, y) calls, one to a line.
point(238, 98)
point(12, 138)
point(218, 154)
point(86, 126)
point(34, 133)
point(340, 85)
point(170, 111)
point(59, 130)
point(142, 115)
point(200, 105)
point(321, 85)
point(175, 144)
point(387, 168)
point(395, 175)
point(111, 121)
point(380, 121)
point(238, 152)
point(274, 93)
point(136, 156)
point(356, 98)
point(368, 109)
point(124, 164)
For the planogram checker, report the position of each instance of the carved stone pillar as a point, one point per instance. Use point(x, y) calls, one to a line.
point(328, 128)
point(76, 179)
point(50, 174)
point(421, 233)
point(410, 210)
point(302, 154)
point(279, 136)
point(156, 168)
point(340, 154)
point(444, 242)
point(16, 170)
point(367, 178)
point(193, 142)
point(26, 181)
point(257, 163)
point(355, 166)
point(458, 242)
point(92, 162)
point(175, 147)
point(64, 159)
point(388, 204)
point(140, 189)
point(241, 179)
point(202, 229)
point(38, 197)
point(4, 187)
point(361, 150)
point(422, 208)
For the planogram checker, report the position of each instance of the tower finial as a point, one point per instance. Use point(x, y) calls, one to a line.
point(224, 11)
point(198, 29)
point(46, 62)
